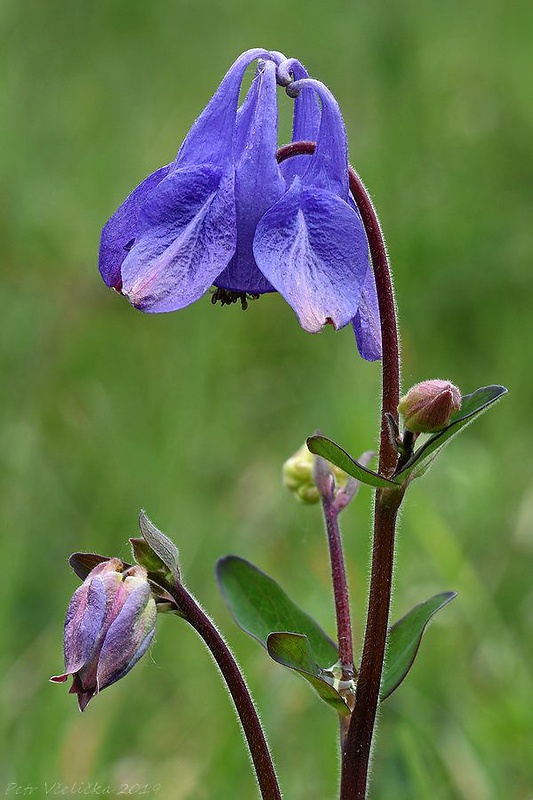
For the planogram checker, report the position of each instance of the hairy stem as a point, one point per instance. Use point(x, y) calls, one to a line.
point(387, 312)
point(253, 731)
point(358, 741)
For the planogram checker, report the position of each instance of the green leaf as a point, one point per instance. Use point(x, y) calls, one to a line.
point(328, 449)
point(290, 636)
point(472, 405)
point(163, 547)
point(144, 555)
point(293, 650)
point(260, 606)
point(404, 640)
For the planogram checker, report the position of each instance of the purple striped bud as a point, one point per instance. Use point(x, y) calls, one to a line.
point(109, 625)
point(428, 406)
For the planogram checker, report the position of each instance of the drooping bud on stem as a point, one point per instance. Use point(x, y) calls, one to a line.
point(428, 406)
point(109, 626)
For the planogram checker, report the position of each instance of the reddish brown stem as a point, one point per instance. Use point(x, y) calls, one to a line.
point(358, 741)
point(387, 311)
point(340, 587)
point(253, 731)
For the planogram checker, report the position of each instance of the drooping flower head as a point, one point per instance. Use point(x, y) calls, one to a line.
point(225, 214)
point(109, 625)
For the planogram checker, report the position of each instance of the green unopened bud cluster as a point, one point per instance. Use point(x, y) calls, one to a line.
point(428, 406)
point(298, 476)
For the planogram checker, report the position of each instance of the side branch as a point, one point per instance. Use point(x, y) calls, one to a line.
point(340, 585)
point(253, 731)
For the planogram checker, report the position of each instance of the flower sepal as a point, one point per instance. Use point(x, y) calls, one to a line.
point(156, 552)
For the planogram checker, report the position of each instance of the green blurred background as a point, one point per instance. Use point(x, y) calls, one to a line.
point(190, 415)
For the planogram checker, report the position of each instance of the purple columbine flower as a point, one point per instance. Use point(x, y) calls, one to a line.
point(109, 625)
point(226, 214)
point(312, 244)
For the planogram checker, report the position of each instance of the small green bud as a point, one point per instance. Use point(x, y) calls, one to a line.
point(308, 494)
point(298, 468)
point(299, 476)
point(428, 406)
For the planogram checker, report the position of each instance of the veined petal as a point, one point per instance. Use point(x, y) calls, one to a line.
point(306, 120)
point(83, 623)
point(312, 247)
point(245, 114)
point(128, 636)
point(258, 181)
point(210, 139)
point(307, 114)
point(121, 230)
point(186, 238)
point(122, 669)
point(193, 256)
point(85, 620)
point(366, 323)
point(328, 167)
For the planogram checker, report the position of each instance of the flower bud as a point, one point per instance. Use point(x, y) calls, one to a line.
point(109, 625)
point(428, 406)
point(299, 476)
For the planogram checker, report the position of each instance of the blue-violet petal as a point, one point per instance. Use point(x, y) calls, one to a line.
point(121, 230)
point(366, 323)
point(312, 247)
point(187, 235)
point(258, 181)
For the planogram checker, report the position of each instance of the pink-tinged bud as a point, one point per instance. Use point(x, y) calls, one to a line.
point(109, 625)
point(428, 406)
